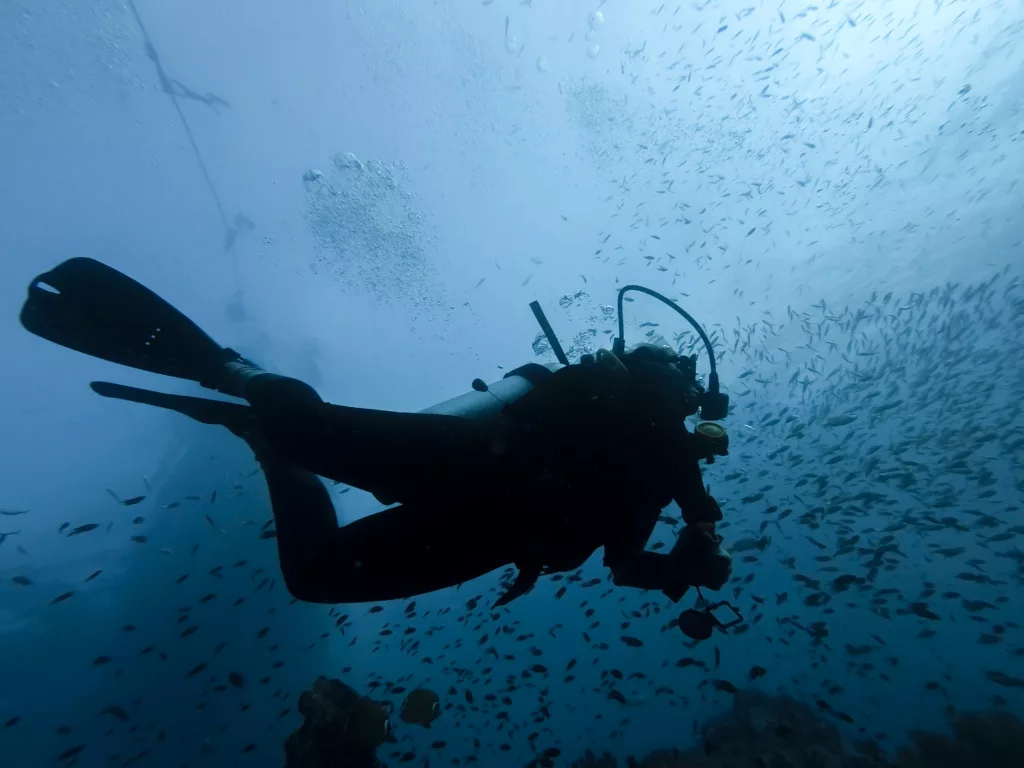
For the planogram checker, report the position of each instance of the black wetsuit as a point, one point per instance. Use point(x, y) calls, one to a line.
point(566, 471)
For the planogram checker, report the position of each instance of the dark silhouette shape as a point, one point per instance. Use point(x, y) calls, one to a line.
point(537, 470)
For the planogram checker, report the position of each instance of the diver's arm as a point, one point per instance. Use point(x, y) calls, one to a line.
point(633, 566)
point(304, 518)
point(697, 560)
point(696, 504)
point(651, 570)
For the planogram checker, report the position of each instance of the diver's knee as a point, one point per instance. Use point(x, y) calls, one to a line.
point(272, 391)
point(314, 581)
point(306, 590)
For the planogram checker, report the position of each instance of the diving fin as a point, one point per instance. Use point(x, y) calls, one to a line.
point(234, 416)
point(92, 308)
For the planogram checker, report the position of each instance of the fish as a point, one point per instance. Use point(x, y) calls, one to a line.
point(83, 529)
point(70, 753)
point(1001, 678)
point(840, 421)
point(420, 707)
point(725, 686)
point(14, 512)
point(366, 725)
point(131, 502)
point(116, 711)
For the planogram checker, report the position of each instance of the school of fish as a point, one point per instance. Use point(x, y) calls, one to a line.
point(872, 493)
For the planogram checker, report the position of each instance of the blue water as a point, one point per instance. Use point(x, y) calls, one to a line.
point(371, 196)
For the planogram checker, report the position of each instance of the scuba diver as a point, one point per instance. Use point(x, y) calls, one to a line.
point(537, 470)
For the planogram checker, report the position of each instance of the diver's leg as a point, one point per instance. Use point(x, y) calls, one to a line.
point(413, 457)
point(397, 553)
point(304, 518)
point(406, 551)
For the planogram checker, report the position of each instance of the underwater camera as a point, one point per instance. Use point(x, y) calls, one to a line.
point(699, 622)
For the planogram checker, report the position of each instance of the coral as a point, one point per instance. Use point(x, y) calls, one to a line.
point(760, 731)
point(979, 740)
point(590, 760)
point(318, 742)
point(763, 731)
point(770, 732)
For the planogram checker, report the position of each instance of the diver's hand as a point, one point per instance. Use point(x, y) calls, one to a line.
point(705, 510)
point(700, 557)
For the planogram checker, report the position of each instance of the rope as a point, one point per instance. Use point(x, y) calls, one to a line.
point(168, 87)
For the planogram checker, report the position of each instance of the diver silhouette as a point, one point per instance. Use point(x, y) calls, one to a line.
point(537, 470)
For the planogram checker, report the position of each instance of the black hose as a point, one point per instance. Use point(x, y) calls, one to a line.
point(700, 331)
point(549, 332)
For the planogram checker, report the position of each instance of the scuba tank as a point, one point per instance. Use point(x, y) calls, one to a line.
point(488, 401)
